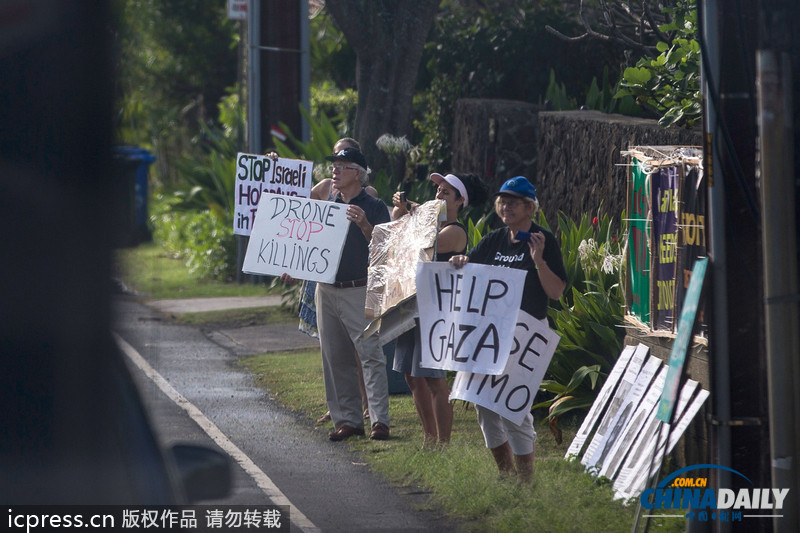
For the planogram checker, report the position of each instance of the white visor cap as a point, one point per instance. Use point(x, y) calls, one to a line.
point(455, 182)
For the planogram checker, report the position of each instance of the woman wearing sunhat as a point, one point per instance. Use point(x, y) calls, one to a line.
point(525, 245)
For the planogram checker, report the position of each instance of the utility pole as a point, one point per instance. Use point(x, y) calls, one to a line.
point(278, 69)
point(776, 116)
point(750, 119)
point(736, 338)
point(284, 65)
point(278, 78)
point(254, 143)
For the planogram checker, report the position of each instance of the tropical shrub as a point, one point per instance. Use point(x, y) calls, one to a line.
point(201, 237)
point(195, 221)
point(338, 106)
point(589, 315)
point(324, 135)
point(176, 60)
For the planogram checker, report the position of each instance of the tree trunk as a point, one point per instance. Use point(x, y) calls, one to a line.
point(388, 37)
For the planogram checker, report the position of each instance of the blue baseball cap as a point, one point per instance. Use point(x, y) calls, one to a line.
point(518, 186)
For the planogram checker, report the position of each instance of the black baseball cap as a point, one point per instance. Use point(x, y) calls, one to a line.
point(350, 155)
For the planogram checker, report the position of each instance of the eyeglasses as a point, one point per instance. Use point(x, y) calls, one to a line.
point(509, 202)
point(340, 168)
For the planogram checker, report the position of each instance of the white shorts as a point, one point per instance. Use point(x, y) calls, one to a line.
point(497, 430)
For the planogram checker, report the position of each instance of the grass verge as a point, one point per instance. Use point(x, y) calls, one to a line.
point(462, 478)
point(152, 272)
point(239, 318)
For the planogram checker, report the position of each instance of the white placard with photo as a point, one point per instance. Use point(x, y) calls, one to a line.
point(624, 387)
point(600, 402)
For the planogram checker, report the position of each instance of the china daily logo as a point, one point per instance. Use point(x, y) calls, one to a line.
point(678, 491)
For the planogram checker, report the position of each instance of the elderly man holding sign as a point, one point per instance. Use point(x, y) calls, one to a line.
point(340, 311)
point(521, 244)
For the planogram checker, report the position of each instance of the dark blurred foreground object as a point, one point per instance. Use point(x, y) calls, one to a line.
point(72, 426)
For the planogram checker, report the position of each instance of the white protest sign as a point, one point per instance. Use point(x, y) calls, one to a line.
point(467, 316)
point(237, 9)
point(511, 393)
point(301, 237)
point(257, 175)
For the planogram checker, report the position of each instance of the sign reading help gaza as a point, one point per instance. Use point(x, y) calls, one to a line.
point(467, 316)
point(258, 174)
point(297, 236)
point(511, 393)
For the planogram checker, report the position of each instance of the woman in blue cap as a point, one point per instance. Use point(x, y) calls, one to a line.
point(522, 244)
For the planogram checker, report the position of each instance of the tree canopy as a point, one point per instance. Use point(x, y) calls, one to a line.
point(176, 58)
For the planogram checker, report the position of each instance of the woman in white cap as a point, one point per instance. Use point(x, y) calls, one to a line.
point(429, 386)
point(522, 244)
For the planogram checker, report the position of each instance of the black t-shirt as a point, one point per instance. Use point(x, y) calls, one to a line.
point(355, 255)
point(444, 257)
point(497, 249)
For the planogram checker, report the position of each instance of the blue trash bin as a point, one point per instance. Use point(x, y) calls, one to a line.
point(133, 165)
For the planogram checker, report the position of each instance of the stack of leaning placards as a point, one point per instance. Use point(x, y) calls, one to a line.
point(621, 438)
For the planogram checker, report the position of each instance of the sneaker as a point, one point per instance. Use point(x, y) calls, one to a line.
point(380, 431)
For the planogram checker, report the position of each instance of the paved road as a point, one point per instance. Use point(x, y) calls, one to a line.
point(280, 456)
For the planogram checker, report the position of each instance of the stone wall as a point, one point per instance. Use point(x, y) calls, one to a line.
point(572, 157)
point(580, 161)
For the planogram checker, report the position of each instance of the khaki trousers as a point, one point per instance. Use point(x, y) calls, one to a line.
point(341, 321)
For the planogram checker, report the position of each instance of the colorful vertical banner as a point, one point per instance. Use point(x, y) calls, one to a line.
point(691, 233)
point(664, 187)
point(638, 246)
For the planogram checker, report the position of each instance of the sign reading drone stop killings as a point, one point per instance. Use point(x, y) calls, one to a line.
point(297, 236)
point(467, 316)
